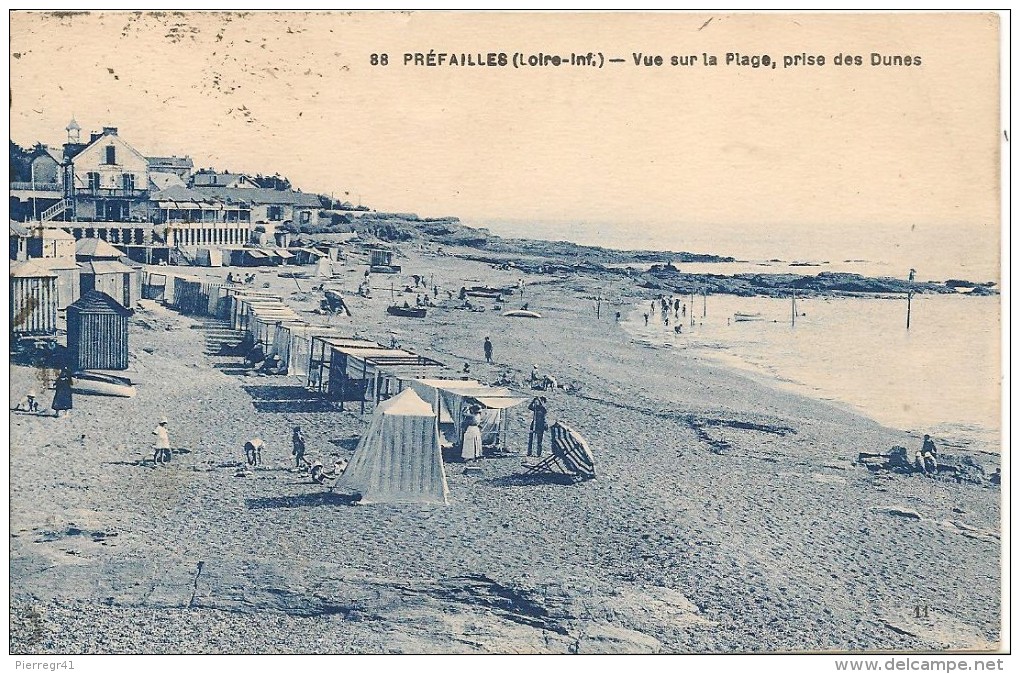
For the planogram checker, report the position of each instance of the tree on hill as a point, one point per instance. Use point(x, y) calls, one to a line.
point(21, 164)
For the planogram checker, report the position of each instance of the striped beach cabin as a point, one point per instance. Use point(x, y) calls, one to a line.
point(97, 333)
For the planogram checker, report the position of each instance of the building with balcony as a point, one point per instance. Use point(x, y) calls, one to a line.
point(108, 180)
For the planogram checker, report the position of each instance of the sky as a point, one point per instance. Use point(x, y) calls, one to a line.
point(790, 155)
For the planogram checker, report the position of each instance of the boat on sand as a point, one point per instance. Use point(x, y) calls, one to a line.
point(102, 384)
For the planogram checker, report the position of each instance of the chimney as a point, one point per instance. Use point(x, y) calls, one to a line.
point(109, 131)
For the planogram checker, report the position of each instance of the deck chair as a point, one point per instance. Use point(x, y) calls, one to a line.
point(570, 455)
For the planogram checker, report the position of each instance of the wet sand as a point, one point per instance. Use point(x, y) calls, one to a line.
point(727, 516)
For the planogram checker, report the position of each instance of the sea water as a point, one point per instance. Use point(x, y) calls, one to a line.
point(942, 376)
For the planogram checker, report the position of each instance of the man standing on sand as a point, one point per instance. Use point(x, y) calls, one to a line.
point(161, 447)
point(487, 347)
point(538, 425)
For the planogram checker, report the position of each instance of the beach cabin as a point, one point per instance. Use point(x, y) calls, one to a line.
point(90, 249)
point(381, 261)
point(19, 241)
point(97, 333)
point(33, 300)
point(51, 242)
point(68, 278)
point(451, 399)
point(293, 344)
point(153, 286)
point(263, 322)
point(195, 296)
point(208, 257)
point(354, 370)
point(322, 354)
point(116, 279)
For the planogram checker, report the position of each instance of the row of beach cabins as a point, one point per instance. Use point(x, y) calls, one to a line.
point(342, 369)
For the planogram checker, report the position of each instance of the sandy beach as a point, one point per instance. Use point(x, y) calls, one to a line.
point(727, 515)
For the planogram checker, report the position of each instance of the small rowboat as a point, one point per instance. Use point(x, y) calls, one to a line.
point(521, 313)
point(741, 318)
point(407, 312)
point(99, 384)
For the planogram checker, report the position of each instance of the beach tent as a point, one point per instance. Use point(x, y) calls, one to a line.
point(570, 456)
point(324, 267)
point(398, 459)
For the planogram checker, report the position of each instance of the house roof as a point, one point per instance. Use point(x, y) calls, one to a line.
point(253, 195)
point(218, 179)
point(96, 302)
point(104, 137)
point(162, 181)
point(56, 155)
point(29, 269)
point(54, 233)
point(54, 263)
point(18, 229)
point(177, 162)
point(96, 248)
point(99, 267)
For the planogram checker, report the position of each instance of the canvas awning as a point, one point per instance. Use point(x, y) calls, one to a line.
point(256, 253)
point(285, 254)
point(498, 403)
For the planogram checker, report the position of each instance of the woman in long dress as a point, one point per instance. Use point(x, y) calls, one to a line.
point(62, 402)
point(471, 448)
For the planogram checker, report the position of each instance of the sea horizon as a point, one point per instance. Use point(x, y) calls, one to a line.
point(893, 253)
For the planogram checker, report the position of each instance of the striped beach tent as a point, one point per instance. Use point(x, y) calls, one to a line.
point(398, 459)
point(570, 455)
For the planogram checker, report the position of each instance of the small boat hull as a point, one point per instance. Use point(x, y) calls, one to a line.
point(744, 318)
point(98, 384)
point(407, 312)
point(520, 313)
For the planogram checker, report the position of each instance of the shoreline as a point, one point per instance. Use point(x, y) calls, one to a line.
point(968, 436)
point(726, 516)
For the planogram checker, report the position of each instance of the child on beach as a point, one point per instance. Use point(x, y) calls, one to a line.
point(161, 447)
point(298, 439)
point(253, 452)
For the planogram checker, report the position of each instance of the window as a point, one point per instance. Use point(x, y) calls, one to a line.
point(306, 217)
point(275, 213)
point(93, 180)
point(111, 154)
point(129, 181)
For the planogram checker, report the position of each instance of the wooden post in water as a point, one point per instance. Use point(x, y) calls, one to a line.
point(793, 307)
point(704, 302)
point(692, 308)
point(910, 295)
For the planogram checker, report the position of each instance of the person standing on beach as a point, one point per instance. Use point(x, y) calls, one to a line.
point(62, 398)
point(161, 447)
point(487, 347)
point(646, 319)
point(471, 445)
point(298, 438)
point(928, 456)
point(538, 425)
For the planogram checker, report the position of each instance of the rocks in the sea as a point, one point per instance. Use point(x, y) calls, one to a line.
point(962, 468)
